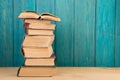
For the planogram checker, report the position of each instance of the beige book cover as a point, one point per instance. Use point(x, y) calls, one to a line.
point(45, 52)
point(52, 18)
point(40, 61)
point(38, 41)
point(43, 16)
point(29, 14)
point(37, 21)
point(39, 32)
point(36, 71)
point(42, 26)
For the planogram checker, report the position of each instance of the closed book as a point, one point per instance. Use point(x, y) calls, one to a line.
point(40, 61)
point(38, 41)
point(36, 71)
point(39, 32)
point(37, 52)
point(42, 26)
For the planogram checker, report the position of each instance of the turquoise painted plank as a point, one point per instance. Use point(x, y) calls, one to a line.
point(105, 22)
point(117, 35)
point(29, 5)
point(45, 6)
point(76, 41)
point(19, 6)
point(6, 33)
point(84, 37)
point(64, 32)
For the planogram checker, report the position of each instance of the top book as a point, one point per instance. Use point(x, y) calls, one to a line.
point(43, 16)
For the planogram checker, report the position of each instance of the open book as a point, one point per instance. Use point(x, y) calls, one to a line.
point(34, 15)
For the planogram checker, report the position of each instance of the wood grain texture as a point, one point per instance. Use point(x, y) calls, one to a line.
point(117, 35)
point(64, 32)
point(45, 6)
point(67, 73)
point(6, 33)
point(87, 35)
point(84, 37)
point(20, 6)
point(105, 22)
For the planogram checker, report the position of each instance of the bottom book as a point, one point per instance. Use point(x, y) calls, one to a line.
point(36, 71)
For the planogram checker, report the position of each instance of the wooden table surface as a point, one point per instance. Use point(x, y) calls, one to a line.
point(66, 73)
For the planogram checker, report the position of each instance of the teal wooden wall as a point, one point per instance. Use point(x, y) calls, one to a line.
point(89, 34)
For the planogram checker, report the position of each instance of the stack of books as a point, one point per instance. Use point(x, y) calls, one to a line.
point(37, 44)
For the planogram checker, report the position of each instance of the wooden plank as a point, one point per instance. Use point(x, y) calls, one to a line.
point(29, 5)
point(6, 33)
point(19, 6)
point(64, 32)
point(2, 33)
point(117, 34)
point(67, 73)
point(84, 37)
point(105, 22)
point(45, 6)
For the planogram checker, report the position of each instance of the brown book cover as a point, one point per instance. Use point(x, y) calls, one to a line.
point(36, 71)
point(38, 41)
point(37, 52)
